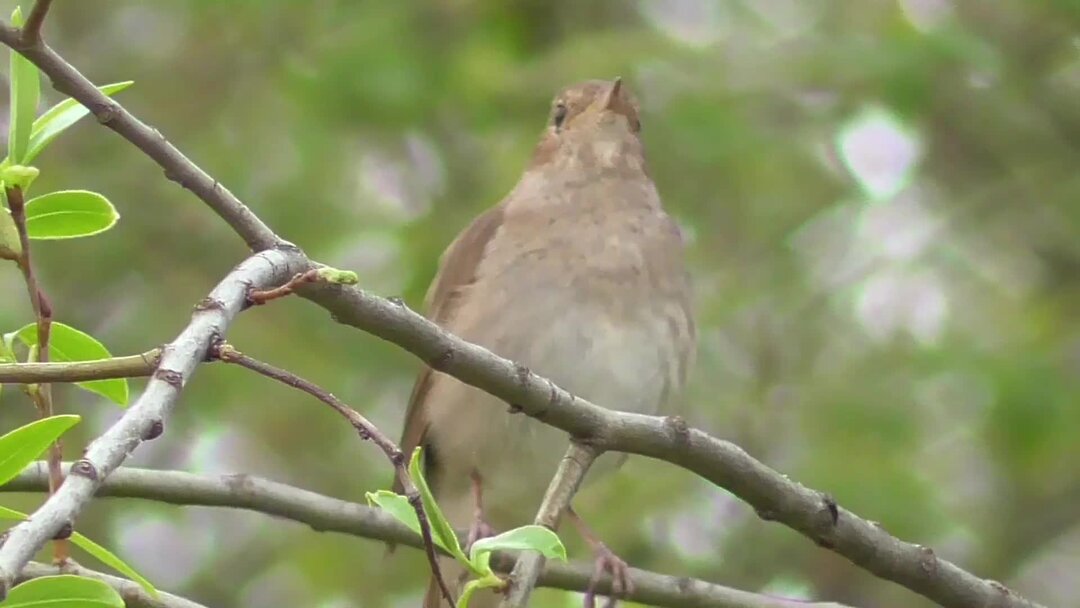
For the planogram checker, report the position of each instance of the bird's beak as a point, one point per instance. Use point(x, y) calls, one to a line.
point(613, 94)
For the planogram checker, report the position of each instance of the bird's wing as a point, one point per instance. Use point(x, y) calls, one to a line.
point(457, 271)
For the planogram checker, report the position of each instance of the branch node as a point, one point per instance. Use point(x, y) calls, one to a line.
point(209, 303)
point(927, 560)
point(766, 514)
point(171, 377)
point(396, 301)
point(831, 508)
point(523, 373)
point(106, 112)
point(64, 532)
point(442, 360)
point(84, 468)
point(156, 428)
point(679, 428)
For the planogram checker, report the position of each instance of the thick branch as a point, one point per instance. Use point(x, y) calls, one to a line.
point(572, 469)
point(326, 514)
point(771, 494)
point(145, 418)
point(132, 366)
point(134, 595)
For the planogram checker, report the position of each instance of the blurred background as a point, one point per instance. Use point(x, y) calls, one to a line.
point(883, 202)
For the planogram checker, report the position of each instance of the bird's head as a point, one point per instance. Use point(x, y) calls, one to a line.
point(592, 124)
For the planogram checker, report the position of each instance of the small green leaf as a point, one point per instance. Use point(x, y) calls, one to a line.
point(101, 553)
point(398, 506)
point(18, 176)
point(110, 559)
point(69, 214)
point(338, 277)
point(488, 581)
point(440, 527)
point(69, 344)
point(61, 116)
point(63, 591)
point(26, 443)
point(10, 245)
point(25, 89)
point(525, 538)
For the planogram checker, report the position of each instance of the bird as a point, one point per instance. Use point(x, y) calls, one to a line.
point(578, 274)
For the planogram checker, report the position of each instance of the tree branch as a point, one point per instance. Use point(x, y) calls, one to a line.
point(132, 366)
point(134, 596)
point(40, 394)
point(773, 496)
point(326, 514)
point(572, 469)
point(363, 427)
point(31, 31)
point(145, 418)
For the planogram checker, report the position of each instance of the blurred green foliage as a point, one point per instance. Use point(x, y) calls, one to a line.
point(883, 198)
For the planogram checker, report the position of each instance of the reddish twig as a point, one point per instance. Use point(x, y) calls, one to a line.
point(31, 31)
point(259, 297)
point(364, 428)
point(43, 314)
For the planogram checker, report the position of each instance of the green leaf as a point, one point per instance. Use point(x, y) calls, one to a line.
point(63, 591)
point(440, 527)
point(337, 277)
point(26, 443)
point(25, 89)
point(101, 553)
point(398, 506)
point(10, 245)
point(525, 538)
point(69, 214)
point(485, 582)
point(18, 176)
point(61, 116)
point(110, 559)
point(69, 344)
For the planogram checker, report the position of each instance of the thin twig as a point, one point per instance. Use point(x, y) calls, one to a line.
point(40, 394)
point(132, 366)
point(364, 428)
point(31, 30)
point(259, 297)
point(575, 464)
point(327, 514)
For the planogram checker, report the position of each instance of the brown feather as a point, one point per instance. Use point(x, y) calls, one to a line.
point(457, 270)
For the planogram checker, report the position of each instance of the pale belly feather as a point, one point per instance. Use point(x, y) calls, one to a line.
point(628, 368)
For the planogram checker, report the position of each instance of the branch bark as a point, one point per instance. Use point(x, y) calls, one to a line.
point(144, 420)
point(326, 514)
point(31, 31)
point(132, 366)
point(772, 495)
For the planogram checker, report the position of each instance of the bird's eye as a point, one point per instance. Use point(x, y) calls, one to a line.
point(559, 116)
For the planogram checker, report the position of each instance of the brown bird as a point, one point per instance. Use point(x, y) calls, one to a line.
point(578, 274)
